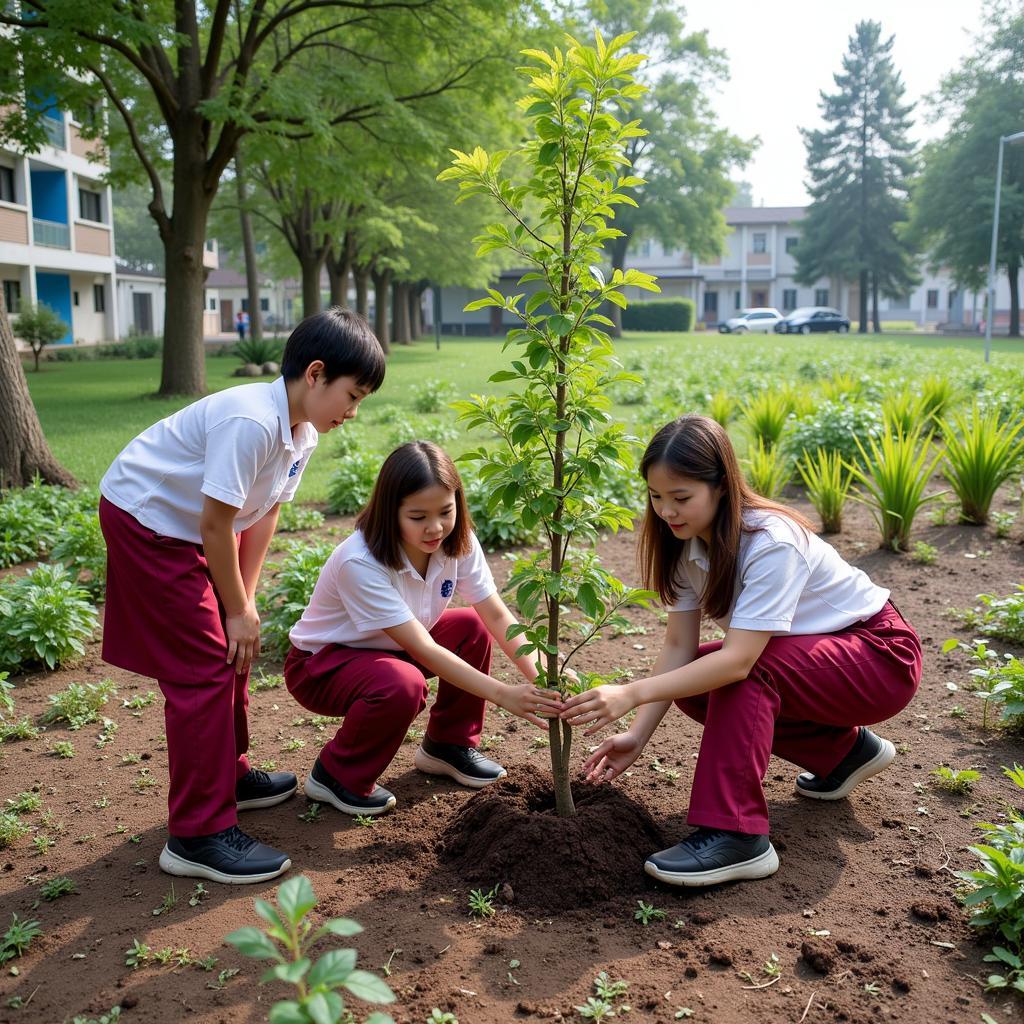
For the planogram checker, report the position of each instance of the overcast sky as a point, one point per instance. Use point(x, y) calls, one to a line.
point(783, 53)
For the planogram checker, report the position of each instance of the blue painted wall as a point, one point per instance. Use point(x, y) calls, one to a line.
point(49, 196)
point(54, 290)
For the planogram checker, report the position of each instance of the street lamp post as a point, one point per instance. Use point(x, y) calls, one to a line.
point(1003, 139)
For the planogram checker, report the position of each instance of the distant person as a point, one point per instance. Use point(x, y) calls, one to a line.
point(241, 324)
point(188, 512)
point(813, 652)
point(378, 625)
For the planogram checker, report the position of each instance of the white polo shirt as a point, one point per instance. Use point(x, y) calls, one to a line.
point(235, 446)
point(357, 597)
point(787, 581)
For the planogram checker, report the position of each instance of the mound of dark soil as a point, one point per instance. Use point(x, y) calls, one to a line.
point(509, 833)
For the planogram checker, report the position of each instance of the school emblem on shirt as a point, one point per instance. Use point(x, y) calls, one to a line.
point(295, 468)
point(447, 587)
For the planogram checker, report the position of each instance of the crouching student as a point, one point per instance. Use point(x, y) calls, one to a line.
point(188, 510)
point(378, 625)
point(813, 653)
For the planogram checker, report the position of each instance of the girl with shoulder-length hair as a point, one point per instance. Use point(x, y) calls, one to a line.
point(378, 626)
point(813, 653)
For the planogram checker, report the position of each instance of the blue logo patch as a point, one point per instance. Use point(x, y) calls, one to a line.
point(295, 468)
point(446, 588)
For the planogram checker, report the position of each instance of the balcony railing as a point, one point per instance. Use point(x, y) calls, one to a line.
point(54, 132)
point(48, 232)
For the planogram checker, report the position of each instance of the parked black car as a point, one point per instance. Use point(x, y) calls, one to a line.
point(813, 319)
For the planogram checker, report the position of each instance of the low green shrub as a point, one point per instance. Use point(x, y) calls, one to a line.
point(660, 315)
point(350, 485)
point(497, 526)
point(433, 395)
point(835, 427)
point(45, 618)
point(282, 603)
point(293, 518)
point(259, 350)
point(82, 549)
point(79, 704)
point(33, 519)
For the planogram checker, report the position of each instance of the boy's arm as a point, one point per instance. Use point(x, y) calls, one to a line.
point(242, 624)
point(252, 549)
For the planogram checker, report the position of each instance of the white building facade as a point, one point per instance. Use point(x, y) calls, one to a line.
point(56, 230)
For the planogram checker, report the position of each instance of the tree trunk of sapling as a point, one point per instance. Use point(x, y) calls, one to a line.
point(252, 277)
point(1013, 277)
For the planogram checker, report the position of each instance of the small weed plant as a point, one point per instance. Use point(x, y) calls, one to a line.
point(996, 897)
point(896, 470)
point(439, 1016)
point(645, 913)
point(12, 828)
point(57, 887)
point(828, 481)
point(997, 681)
point(282, 603)
point(1001, 618)
point(955, 780)
point(981, 454)
point(79, 704)
point(45, 618)
point(18, 938)
point(596, 1009)
point(924, 553)
point(481, 902)
point(287, 940)
point(293, 518)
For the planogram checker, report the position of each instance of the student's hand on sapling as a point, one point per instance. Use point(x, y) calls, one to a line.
point(243, 634)
point(597, 707)
point(612, 757)
point(529, 702)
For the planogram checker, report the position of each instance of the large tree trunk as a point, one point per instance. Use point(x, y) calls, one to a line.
point(361, 276)
point(400, 312)
point(252, 277)
point(381, 285)
point(416, 309)
point(863, 299)
point(311, 264)
point(339, 265)
point(1012, 275)
point(184, 237)
point(620, 246)
point(875, 322)
point(24, 452)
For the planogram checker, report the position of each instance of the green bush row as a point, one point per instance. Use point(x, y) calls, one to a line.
point(660, 315)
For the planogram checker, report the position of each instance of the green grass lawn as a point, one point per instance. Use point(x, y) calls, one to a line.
point(90, 410)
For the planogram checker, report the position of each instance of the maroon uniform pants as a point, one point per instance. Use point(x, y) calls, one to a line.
point(163, 619)
point(381, 692)
point(803, 701)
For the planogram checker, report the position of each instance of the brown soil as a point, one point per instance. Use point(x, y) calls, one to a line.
point(862, 915)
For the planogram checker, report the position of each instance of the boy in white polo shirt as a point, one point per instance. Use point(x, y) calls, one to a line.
point(188, 510)
point(813, 653)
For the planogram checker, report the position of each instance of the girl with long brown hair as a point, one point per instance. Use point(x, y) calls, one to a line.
point(813, 652)
point(378, 625)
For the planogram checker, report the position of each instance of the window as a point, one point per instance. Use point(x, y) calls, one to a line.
point(737, 300)
point(74, 298)
point(760, 241)
point(645, 248)
point(208, 245)
point(7, 185)
point(788, 296)
point(213, 304)
point(264, 305)
point(711, 304)
point(245, 303)
point(12, 296)
point(90, 206)
point(933, 298)
point(99, 298)
point(791, 243)
point(821, 296)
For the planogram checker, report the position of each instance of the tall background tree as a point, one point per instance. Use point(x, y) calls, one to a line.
point(954, 197)
point(186, 82)
point(686, 159)
point(860, 168)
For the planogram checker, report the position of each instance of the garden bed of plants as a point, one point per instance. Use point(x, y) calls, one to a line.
point(863, 921)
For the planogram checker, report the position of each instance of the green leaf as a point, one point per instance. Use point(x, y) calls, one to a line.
point(559, 325)
point(369, 988)
point(292, 972)
point(296, 899)
point(319, 1008)
point(287, 1012)
point(252, 942)
point(949, 645)
point(332, 968)
point(548, 154)
point(342, 926)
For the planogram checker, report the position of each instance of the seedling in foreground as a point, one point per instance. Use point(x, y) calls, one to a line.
point(18, 938)
point(57, 887)
point(647, 912)
point(288, 937)
point(481, 904)
point(12, 828)
point(312, 813)
point(924, 554)
point(596, 1009)
point(956, 780)
point(607, 989)
point(442, 1017)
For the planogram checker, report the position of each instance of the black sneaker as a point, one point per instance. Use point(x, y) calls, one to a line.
point(325, 789)
point(463, 764)
point(230, 857)
point(711, 855)
point(264, 789)
point(870, 755)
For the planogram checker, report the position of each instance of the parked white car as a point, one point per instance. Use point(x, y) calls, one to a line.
point(762, 319)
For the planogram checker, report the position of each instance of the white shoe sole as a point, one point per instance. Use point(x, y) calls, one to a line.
point(435, 766)
point(762, 866)
point(878, 763)
point(174, 864)
point(322, 795)
point(267, 801)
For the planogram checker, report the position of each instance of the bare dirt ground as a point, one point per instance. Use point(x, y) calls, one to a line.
point(862, 916)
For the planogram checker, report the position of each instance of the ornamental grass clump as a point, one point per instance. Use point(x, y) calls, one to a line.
point(767, 469)
point(766, 414)
point(557, 438)
point(896, 470)
point(903, 410)
point(828, 481)
point(981, 455)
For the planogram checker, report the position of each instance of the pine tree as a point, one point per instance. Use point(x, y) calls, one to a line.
point(860, 166)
